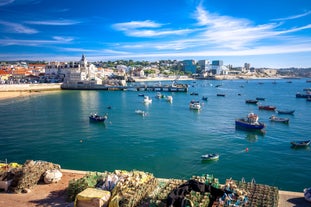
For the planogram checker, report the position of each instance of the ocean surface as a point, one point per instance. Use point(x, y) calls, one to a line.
point(169, 141)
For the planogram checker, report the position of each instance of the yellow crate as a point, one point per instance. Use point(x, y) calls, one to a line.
point(92, 197)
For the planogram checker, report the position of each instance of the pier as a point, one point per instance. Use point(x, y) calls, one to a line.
point(168, 88)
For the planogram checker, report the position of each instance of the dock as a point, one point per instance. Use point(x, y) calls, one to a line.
point(167, 88)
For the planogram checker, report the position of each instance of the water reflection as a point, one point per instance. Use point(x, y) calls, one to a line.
point(253, 136)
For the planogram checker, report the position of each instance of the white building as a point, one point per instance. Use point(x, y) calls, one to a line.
point(83, 72)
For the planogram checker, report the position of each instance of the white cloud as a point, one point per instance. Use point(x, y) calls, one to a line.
point(293, 17)
point(17, 28)
point(135, 25)
point(5, 2)
point(139, 29)
point(63, 22)
point(63, 39)
point(7, 42)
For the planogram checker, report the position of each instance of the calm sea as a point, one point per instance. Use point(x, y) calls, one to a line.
point(169, 141)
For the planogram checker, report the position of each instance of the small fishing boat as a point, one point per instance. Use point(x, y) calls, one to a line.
point(267, 107)
point(221, 94)
point(301, 143)
point(195, 105)
point(97, 118)
point(260, 99)
point(169, 99)
point(279, 119)
point(194, 93)
point(250, 122)
point(147, 100)
point(140, 112)
point(212, 156)
point(159, 95)
point(251, 101)
point(285, 111)
point(204, 98)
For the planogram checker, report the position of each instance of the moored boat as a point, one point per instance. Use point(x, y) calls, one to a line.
point(250, 122)
point(221, 94)
point(169, 99)
point(195, 105)
point(251, 101)
point(147, 100)
point(97, 118)
point(279, 119)
point(267, 107)
point(285, 111)
point(260, 99)
point(212, 156)
point(299, 95)
point(140, 112)
point(204, 98)
point(304, 143)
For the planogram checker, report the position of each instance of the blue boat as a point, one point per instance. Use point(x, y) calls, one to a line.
point(97, 118)
point(250, 122)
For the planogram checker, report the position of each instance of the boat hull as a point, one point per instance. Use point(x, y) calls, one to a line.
point(301, 143)
point(241, 123)
point(208, 157)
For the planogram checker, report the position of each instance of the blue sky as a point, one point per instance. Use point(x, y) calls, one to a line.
point(264, 33)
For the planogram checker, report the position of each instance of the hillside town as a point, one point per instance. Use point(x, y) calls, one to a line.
point(122, 71)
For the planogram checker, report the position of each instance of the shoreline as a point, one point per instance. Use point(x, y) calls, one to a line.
point(23, 90)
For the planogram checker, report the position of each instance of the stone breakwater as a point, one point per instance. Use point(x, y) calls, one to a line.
point(29, 87)
point(12, 91)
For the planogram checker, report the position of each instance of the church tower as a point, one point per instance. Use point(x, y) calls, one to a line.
point(83, 61)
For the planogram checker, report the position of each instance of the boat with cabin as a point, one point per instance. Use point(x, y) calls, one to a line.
point(212, 156)
point(250, 122)
point(97, 118)
point(147, 100)
point(195, 105)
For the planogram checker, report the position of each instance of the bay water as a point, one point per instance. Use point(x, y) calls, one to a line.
point(171, 138)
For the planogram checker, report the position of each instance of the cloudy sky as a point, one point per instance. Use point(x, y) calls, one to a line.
point(264, 33)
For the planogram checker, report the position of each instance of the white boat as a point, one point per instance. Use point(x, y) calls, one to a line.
point(169, 99)
point(279, 119)
point(147, 100)
point(159, 95)
point(210, 156)
point(195, 105)
point(141, 112)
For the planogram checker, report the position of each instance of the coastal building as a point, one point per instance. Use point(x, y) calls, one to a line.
point(218, 68)
point(189, 66)
point(204, 65)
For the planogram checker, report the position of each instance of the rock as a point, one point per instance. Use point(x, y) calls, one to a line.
point(52, 176)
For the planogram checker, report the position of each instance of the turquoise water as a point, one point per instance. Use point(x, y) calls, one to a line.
point(169, 141)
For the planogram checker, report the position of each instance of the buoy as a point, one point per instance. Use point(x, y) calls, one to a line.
point(246, 149)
